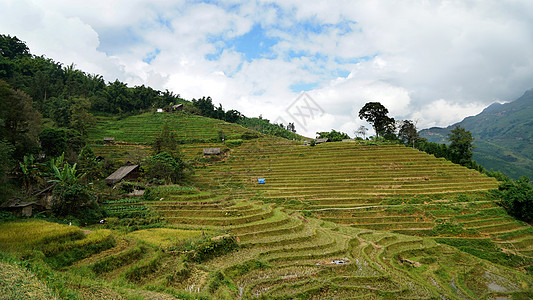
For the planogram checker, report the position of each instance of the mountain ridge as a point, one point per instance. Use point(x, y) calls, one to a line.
point(503, 136)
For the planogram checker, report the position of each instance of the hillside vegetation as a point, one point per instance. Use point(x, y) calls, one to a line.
point(343, 220)
point(503, 136)
point(338, 220)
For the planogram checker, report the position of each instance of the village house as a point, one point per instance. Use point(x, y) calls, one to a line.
point(20, 208)
point(320, 141)
point(129, 173)
point(211, 151)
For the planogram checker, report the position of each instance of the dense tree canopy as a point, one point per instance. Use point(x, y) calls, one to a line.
point(517, 198)
point(334, 136)
point(408, 133)
point(461, 146)
point(376, 114)
point(20, 123)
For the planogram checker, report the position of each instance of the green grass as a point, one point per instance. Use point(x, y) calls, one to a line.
point(142, 129)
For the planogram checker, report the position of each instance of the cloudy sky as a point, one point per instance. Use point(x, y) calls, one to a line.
point(434, 62)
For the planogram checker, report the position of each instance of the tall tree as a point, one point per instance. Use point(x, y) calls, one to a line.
point(20, 123)
point(88, 163)
point(206, 106)
point(12, 47)
point(80, 118)
point(376, 114)
point(166, 142)
point(361, 131)
point(461, 146)
point(7, 164)
point(408, 132)
point(291, 127)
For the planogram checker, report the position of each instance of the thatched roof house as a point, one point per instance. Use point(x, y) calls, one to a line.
point(20, 208)
point(320, 141)
point(124, 173)
point(211, 151)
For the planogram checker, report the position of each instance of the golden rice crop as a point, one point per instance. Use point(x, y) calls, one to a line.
point(164, 237)
point(25, 235)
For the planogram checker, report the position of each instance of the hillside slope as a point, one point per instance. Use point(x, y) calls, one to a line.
point(334, 221)
point(503, 136)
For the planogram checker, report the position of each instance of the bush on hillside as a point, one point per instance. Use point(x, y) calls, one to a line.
point(163, 166)
point(249, 135)
point(517, 198)
point(234, 143)
point(213, 248)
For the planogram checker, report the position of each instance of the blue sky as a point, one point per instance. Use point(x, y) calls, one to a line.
point(434, 62)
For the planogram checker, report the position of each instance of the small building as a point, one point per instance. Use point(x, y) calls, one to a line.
point(211, 151)
point(130, 173)
point(348, 140)
point(20, 208)
point(160, 110)
point(45, 196)
point(320, 141)
point(109, 139)
point(177, 107)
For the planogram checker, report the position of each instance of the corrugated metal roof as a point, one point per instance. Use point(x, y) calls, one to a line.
point(119, 174)
point(211, 151)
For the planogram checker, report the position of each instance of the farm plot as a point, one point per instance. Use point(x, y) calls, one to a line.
point(388, 188)
point(144, 128)
point(344, 174)
point(284, 254)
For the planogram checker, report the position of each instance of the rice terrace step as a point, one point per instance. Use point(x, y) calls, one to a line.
point(338, 220)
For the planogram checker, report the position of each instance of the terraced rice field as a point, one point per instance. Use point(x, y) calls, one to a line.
point(283, 254)
point(334, 221)
point(144, 128)
point(387, 187)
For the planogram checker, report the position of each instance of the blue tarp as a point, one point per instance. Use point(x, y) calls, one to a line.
point(261, 180)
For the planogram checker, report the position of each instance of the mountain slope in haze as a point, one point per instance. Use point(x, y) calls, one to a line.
point(503, 136)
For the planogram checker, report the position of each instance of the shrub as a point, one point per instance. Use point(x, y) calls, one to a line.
point(139, 272)
point(164, 167)
point(243, 269)
point(213, 248)
point(234, 143)
point(249, 135)
point(74, 200)
point(111, 263)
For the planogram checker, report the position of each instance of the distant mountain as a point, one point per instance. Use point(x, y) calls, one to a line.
point(503, 136)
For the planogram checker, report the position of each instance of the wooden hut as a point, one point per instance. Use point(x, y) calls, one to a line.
point(320, 141)
point(20, 208)
point(177, 107)
point(211, 151)
point(109, 140)
point(130, 173)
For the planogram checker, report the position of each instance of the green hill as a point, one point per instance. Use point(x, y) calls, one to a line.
point(338, 220)
point(144, 128)
point(503, 136)
point(345, 220)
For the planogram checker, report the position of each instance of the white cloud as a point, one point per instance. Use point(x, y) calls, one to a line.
point(431, 61)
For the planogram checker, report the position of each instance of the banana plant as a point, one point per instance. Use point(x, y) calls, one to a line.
point(66, 174)
point(31, 172)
